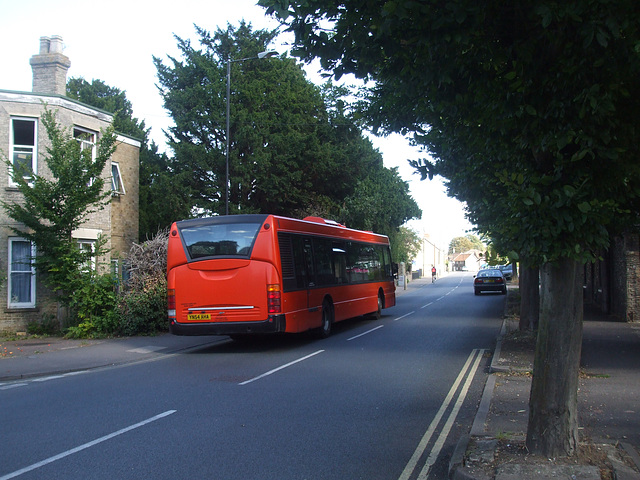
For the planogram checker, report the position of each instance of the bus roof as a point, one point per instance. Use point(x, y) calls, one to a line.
point(312, 225)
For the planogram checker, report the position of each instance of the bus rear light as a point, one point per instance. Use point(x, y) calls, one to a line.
point(273, 299)
point(171, 302)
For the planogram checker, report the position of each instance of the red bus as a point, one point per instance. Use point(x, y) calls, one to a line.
point(245, 274)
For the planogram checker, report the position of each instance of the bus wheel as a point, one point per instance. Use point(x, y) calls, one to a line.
point(378, 313)
point(327, 319)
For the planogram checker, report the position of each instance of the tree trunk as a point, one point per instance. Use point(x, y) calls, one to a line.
point(553, 404)
point(529, 298)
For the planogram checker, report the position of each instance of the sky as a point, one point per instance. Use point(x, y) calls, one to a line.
point(116, 44)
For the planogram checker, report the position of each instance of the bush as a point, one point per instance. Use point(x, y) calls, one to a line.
point(93, 306)
point(48, 325)
point(82, 330)
point(144, 312)
point(142, 305)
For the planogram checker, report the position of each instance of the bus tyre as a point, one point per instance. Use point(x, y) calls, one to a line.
point(378, 313)
point(327, 319)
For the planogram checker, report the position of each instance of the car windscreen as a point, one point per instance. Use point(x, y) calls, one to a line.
point(219, 239)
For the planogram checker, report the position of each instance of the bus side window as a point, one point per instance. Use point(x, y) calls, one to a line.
point(388, 265)
point(308, 262)
point(324, 267)
point(339, 254)
point(355, 269)
point(300, 262)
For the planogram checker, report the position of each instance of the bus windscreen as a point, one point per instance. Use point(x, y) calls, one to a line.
point(219, 239)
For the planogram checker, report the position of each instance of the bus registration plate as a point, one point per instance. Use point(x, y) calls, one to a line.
point(198, 316)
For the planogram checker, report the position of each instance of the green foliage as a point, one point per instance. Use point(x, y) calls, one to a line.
point(82, 330)
point(295, 149)
point(380, 202)
point(113, 100)
point(529, 110)
point(144, 312)
point(54, 207)
point(405, 245)
point(162, 196)
point(466, 243)
point(94, 302)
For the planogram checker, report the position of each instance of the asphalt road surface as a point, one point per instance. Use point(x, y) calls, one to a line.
point(381, 399)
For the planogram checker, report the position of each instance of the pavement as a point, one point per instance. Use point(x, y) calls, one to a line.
point(22, 359)
point(608, 409)
point(608, 398)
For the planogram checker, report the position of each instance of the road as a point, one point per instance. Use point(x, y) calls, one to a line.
point(383, 399)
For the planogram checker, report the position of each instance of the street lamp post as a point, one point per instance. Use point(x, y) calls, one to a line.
point(261, 55)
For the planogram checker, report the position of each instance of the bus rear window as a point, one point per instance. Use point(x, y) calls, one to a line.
point(219, 239)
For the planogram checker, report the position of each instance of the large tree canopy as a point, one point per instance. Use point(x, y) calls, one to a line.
point(545, 90)
point(530, 110)
point(293, 148)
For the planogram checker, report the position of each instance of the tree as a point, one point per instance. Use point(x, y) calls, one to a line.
point(464, 244)
point(55, 206)
point(295, 149)
point(405, 245)
point(277, 160)
point(112, 99)
point(529, 111)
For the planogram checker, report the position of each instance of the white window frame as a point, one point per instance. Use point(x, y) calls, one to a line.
point(10, 274)
point(117, 184)
point(82, 244)
point(87, 140)
point(13, 146)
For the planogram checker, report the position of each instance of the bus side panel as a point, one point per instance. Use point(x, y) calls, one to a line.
point(354, 301)
point(390, 295)
point(299, 318)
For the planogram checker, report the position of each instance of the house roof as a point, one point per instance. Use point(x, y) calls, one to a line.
point(68, 103)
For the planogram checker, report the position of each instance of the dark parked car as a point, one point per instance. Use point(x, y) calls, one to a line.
point(490, 280)
point(507, 271)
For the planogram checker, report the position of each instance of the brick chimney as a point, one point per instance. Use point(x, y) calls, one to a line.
point(50, 67)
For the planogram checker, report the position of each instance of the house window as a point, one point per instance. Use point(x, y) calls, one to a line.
point(23, 147)
point(87, 141)
point(21, 276)
point(88, 248)
point(117, 186)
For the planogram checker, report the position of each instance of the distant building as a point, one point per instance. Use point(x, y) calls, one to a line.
point(468, 261)
point(429, 256)
point(23, 139)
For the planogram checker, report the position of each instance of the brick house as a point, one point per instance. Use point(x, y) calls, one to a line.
point(23, 139)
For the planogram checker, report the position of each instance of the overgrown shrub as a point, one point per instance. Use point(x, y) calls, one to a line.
point(144, 312)
point(142, 304)
point(96, 302)
point(93, 306)
point(82, 330)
